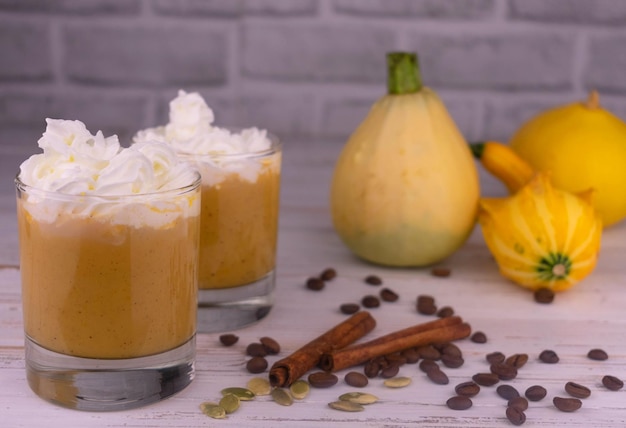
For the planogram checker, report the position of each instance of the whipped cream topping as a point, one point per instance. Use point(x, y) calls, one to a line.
point(191, 131)
point(76, 163)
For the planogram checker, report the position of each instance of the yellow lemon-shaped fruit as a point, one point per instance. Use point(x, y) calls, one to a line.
point(583, 146)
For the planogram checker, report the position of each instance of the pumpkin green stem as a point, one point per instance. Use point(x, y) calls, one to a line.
point(554, 266)
point(477, 149)
point(403, 74)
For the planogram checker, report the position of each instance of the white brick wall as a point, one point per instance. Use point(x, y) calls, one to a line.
point(306, 69)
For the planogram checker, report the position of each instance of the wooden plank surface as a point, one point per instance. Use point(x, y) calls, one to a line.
point(589, 316)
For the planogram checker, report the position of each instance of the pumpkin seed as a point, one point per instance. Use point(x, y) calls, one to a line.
point(282, 397)
point(230, 403)
point(300, 389)
point(346, 406)
point(213, 410)
point(397, 382)
point(259, 386)
point(244, 394)
point(358, 397)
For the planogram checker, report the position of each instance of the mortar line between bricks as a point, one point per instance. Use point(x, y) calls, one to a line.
point(57, 53)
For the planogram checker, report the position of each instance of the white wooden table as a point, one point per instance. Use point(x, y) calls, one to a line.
point(592, 315)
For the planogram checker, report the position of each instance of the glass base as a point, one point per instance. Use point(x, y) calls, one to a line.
point(225, 309)
point(106, 385)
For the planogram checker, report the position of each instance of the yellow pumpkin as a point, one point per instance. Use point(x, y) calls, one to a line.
point(542, 236)
point(405, 187)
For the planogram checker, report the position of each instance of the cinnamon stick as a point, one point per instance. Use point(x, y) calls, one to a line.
point(287, 370)
point(441, 330)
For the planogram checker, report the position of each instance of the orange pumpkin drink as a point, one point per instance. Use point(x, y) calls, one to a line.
point(239, 218)
point(108, 256)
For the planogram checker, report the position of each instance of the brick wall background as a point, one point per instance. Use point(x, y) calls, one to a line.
point(306, 69)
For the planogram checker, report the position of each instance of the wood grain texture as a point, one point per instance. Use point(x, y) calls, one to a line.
point(590, 315)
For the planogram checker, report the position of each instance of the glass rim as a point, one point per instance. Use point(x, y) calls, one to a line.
point(53, 194)
point(275, 147)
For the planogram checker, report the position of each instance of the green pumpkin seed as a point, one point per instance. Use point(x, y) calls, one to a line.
point(244, 394)
point(213, 410)
point(346, 406)
point(282, 397)
point(259, 386)
point(397, 382)
point(230, 403)
point(358, 398)
point(300, 389)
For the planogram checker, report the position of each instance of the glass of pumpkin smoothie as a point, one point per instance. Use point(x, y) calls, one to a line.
point(108, 257)
point(240, 172)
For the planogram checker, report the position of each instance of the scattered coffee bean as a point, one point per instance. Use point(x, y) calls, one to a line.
point(467, 389)
point(428, 365)
point(459, 402)
point(390, 371)
point(397, 382)
point(577, 390)
point(315, 284)
point(346, 406)
point(411, 355)
point(612, 383)
point(426, 305)
point(437, 376)
point(282, 397)
point(359, 397)
point(507, 392)
point(486, 379)
point(520, 403)
point(429, 352)
point(515, 416)
point(567, 404)
point(229, 339)
point(495, 357)
point(549, 357)
point(371, 369)
point(349, 308)
point(396, 358)
point(451, 349)
point(535, 393)
point(388, 295)
point(517, 360)
point(543, 295)
point(322, 379)
point(445, 312)
point(598, 355)
point(478, 337)
point(256, 349)
point(452, 361)
point(504, 371)
point(299, 389)
point(256, 365)
point(328, 274)
point(271, 346)
point(370, 301)
point(440, 272)
point(373, 280)
point(356, 379)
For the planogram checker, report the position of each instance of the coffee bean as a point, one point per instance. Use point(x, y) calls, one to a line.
point(426, 305)
point(450, 349)
point(373, 280)
point(495, 357)
point(370, 301)
point(438, 377)
point(459, 402)
point(388, 295)
point(322, 379)
point(256, 349)
point(612, 383)
point(228, 339)
point(411, 355)
point(445, 312)
point(451, 361)
point(356, 379)
point(256, 365)
point(396, 358)
point(515, 416)
point(520, 403)
point(315, 284)
point(328, 274)
point(504, 371)
point(467, 389)
point(271, 346)
point(390, 371)
point(535, 393)
point(349, 308)
point(598, 355)
point(371, 369)
point(440, 272)
point(486, 379)
point(577, 390)
point(549, 357)
point(517, 360)
point(429, 352)
point(478, 337)
point(543, 295)
point(428, 365)
point(567, 404)
point(507, 392)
